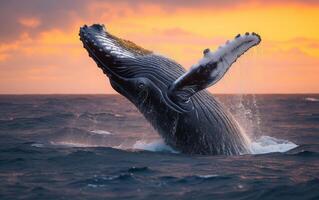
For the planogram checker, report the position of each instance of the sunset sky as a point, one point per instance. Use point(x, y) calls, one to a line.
point(40, 50)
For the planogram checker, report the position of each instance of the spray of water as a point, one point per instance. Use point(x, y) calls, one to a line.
point(248, 116)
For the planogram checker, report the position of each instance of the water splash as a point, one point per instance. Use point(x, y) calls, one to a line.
point(311, 99)
point(155, 146)
point(267, 144)
point(101, 132)
point(249, 117)
point(73, 144)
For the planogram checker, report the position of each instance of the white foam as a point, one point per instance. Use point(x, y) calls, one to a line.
point(101, 132)
point(73, 144)
point(38, 145)
point(155, 146)
point(207, 176)
point(311, 99)
point(267, 144)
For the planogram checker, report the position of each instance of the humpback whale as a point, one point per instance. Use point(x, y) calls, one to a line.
point(173, 100)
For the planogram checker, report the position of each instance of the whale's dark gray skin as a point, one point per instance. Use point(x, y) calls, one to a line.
point(174, 101)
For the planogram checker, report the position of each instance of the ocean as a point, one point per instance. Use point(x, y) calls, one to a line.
point(101, 147)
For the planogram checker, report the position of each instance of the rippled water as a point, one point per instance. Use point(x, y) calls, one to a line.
point(100, 147)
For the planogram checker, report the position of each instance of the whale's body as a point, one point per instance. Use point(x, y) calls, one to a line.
point(174, 101)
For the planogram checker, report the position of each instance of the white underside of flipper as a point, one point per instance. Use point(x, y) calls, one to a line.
point(212, 67)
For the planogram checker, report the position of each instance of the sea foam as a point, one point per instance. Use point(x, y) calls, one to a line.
point(101, 132)
point(311, 99)
point(267, 144)
point(155, 146)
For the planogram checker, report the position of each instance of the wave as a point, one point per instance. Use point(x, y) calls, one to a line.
point(38, 145)
point(263, 145)
point(82, 137)
point(36, 122)
point(311, 99)
point(101, 116)
point(72, 137)
point(73, 144)
point(193, 179)
point(305, 150)
point(267, 144)
point(101, 132)
point(207, 176)
point(103, 181)
point(154, 146)
point(139, 170)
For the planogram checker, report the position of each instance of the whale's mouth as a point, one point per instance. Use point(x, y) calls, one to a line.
point(108, 51)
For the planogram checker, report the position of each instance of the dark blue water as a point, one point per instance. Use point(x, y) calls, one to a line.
point(100, 147)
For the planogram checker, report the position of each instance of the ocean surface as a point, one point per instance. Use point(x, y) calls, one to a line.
point(101, 147)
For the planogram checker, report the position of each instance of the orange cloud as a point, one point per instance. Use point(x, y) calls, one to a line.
point(30, 22)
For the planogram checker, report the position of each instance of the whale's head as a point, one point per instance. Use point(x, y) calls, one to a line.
point(133, 71)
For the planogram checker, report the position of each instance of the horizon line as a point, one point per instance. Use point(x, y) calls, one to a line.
point(24, 94)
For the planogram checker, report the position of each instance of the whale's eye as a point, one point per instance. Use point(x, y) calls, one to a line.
point(141, 85)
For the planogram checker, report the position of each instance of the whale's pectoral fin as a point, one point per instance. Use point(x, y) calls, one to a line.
point(211, 68)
